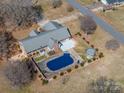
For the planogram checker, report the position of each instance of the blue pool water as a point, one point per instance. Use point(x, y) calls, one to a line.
point(60, 62)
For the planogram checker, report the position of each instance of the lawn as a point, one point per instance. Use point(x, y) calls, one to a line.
point(81, 45)
point(54, 13)
point(38, 59)
point(86, 2)
point(116, 18)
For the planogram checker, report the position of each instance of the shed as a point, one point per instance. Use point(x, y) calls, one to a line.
point(90, 52)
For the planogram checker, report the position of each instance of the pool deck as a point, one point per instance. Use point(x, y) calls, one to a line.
point(49, 73)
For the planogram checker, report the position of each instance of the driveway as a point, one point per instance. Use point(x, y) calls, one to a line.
point(106, 26)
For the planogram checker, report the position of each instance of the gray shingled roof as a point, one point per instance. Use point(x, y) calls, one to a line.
point(44, 39)
point(114, 1)
point(51, 25)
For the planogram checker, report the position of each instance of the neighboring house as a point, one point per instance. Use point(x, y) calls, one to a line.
point(108, 2)
point(52, 34)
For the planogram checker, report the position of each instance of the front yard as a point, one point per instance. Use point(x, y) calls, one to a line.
point(55, 13)
point(115, 18)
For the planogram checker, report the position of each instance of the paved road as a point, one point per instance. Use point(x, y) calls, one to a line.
point(106, 26)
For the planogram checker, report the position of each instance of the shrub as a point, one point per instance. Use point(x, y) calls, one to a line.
point(78, 33)
point(89, 61)
point(62, 73)
point(88, 42)
point(97, 49)
point(69, 70)
point(76, 66)
point(51, 53)
point(35, 71)
point(82, 64)
point(54, 77)
point(94, 59)
point(101, 55)
point(84, 38)
point(92, 46)
point(44, 82)
point(40, 76)
point(56, 3)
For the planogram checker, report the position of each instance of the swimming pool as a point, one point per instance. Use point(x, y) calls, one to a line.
point(60, 62)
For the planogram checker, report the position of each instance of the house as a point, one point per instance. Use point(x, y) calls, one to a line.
point(53, 33)
point(108, 2)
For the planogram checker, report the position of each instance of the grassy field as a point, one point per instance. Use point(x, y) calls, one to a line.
point(86, 2)
point(51, 13)
point(116, 18)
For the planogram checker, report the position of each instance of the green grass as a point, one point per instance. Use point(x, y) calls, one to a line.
point(87, 1)
point(84, 57)
point(121, 81)
point(37, 59)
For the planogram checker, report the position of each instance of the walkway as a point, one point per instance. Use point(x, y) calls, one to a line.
point(106, 26)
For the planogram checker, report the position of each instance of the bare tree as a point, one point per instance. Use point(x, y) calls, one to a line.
point(104, 85)
point(20, 73)
point(112, 45)
point(2, 25)
point(20, 12)
point(87, 24)
point(56, 3)
point(8, 45)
